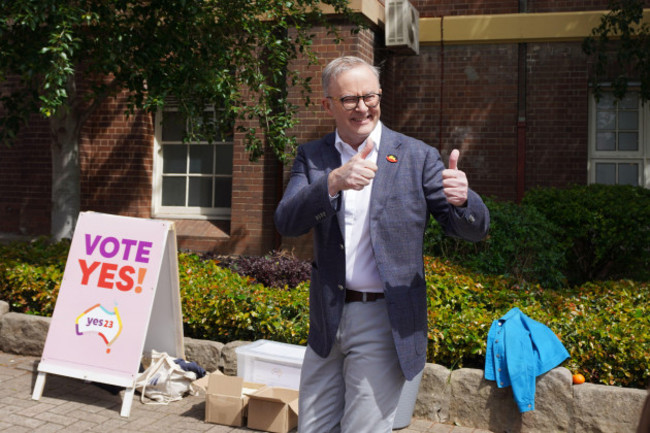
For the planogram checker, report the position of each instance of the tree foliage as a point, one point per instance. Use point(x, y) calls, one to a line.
point(620, 49)
point(231, 54)
point(63, 58)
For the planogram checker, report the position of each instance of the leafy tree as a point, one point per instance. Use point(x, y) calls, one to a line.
point(620, 48)
point(63, 58)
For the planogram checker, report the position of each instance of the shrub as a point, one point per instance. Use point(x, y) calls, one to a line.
point(221, 305)
point(277, 269)
point(605, 326)
point(31, 273)
point(605, 229)
point(521, 243)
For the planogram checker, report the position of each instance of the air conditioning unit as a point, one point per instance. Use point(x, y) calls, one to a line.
point(402, 26)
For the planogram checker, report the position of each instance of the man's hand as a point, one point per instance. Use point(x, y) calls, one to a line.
point(355, 174)
point(454, 181)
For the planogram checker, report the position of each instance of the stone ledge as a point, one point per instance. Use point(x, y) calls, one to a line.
point(463, 397)
point(460, 397)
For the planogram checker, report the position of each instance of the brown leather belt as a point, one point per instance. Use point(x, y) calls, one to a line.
point(354, 296)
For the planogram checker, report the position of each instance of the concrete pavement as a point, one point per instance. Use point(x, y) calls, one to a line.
point(72, 405)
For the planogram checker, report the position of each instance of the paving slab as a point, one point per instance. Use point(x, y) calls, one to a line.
point(73, 405)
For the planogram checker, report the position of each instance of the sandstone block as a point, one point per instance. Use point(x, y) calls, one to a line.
point(607, 409)
point(23, 334)
point(434, 395)
point(206, 353)
point(229, 356)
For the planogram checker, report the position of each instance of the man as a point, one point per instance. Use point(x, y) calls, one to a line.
point(367, 192)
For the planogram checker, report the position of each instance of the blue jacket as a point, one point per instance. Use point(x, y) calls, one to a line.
point(518, 350)
point(407, 188)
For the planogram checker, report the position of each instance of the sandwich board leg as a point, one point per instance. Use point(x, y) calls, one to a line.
point(126, 403)
point(38, 385)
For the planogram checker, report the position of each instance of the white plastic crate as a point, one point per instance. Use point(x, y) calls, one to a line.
point(271, 363)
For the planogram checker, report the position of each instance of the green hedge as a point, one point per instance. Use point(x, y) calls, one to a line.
point(521, 244)
point(605, 326)
point(221, 305)
point(605, 229)
point(559, 237)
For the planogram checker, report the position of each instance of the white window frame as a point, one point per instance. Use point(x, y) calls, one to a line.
point(641, 156)
point(179, 212)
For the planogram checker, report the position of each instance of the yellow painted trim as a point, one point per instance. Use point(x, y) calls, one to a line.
point(373, 10)
point(497, 28)
point(512, 28)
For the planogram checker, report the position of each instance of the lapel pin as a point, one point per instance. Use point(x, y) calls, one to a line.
point(391, 158)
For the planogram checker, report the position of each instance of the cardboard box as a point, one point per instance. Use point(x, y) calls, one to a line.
point(271, 363)
point(226, 399)
point(273, 409)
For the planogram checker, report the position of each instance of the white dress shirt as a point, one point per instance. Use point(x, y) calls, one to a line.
point(361, 273)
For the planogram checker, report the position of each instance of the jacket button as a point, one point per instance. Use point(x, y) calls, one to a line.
point(342, 246)
point(341, 287)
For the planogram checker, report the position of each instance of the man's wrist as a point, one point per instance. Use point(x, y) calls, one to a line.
point(331, 189)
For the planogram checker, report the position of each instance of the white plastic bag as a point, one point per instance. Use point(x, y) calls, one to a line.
point(164, 380)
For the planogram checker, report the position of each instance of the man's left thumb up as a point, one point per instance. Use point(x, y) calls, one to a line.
point(453, 159)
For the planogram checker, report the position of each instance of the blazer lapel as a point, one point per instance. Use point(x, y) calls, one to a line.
point(387, 166)
point(331, 157)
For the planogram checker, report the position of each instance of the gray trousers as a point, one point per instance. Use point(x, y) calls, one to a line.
point(355, 389)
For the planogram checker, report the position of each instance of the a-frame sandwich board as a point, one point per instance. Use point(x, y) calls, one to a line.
point(119, 298)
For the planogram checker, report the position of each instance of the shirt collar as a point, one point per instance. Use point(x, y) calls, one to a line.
point(344, 147)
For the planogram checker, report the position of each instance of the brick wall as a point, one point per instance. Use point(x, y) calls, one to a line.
point(116, 160)
point(566, 6)
point(26, 173)
point(428, 8)
point(253, 202)
point(557, 108)
point(463, 97)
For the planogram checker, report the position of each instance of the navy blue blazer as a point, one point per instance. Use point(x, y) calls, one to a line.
point(404, 193)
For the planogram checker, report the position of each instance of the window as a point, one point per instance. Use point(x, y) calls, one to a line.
point(619, 142)
point(191, 179)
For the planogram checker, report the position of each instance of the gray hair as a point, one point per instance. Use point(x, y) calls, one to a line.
point(342, 64)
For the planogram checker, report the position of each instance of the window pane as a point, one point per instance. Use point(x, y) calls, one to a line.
point(606, 120)
point(606, 173)
point(224, 159)
point(200, 193)
point(628, 120)
point(606, 102)
point(605, 141)
point(173, 126)
point(201, 158)
point(628, 141)
point(630, 100)
point(173, 191)
point(174, 158)
point(628, 174)
point(222, 192)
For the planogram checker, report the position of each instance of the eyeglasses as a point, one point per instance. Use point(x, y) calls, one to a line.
point(349, 103)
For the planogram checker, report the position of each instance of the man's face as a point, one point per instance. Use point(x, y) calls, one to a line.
point(354, 126)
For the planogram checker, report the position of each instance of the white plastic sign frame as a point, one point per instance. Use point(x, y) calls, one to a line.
point(119, 298)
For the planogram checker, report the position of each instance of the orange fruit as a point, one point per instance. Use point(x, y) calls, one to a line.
point(578, 379)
